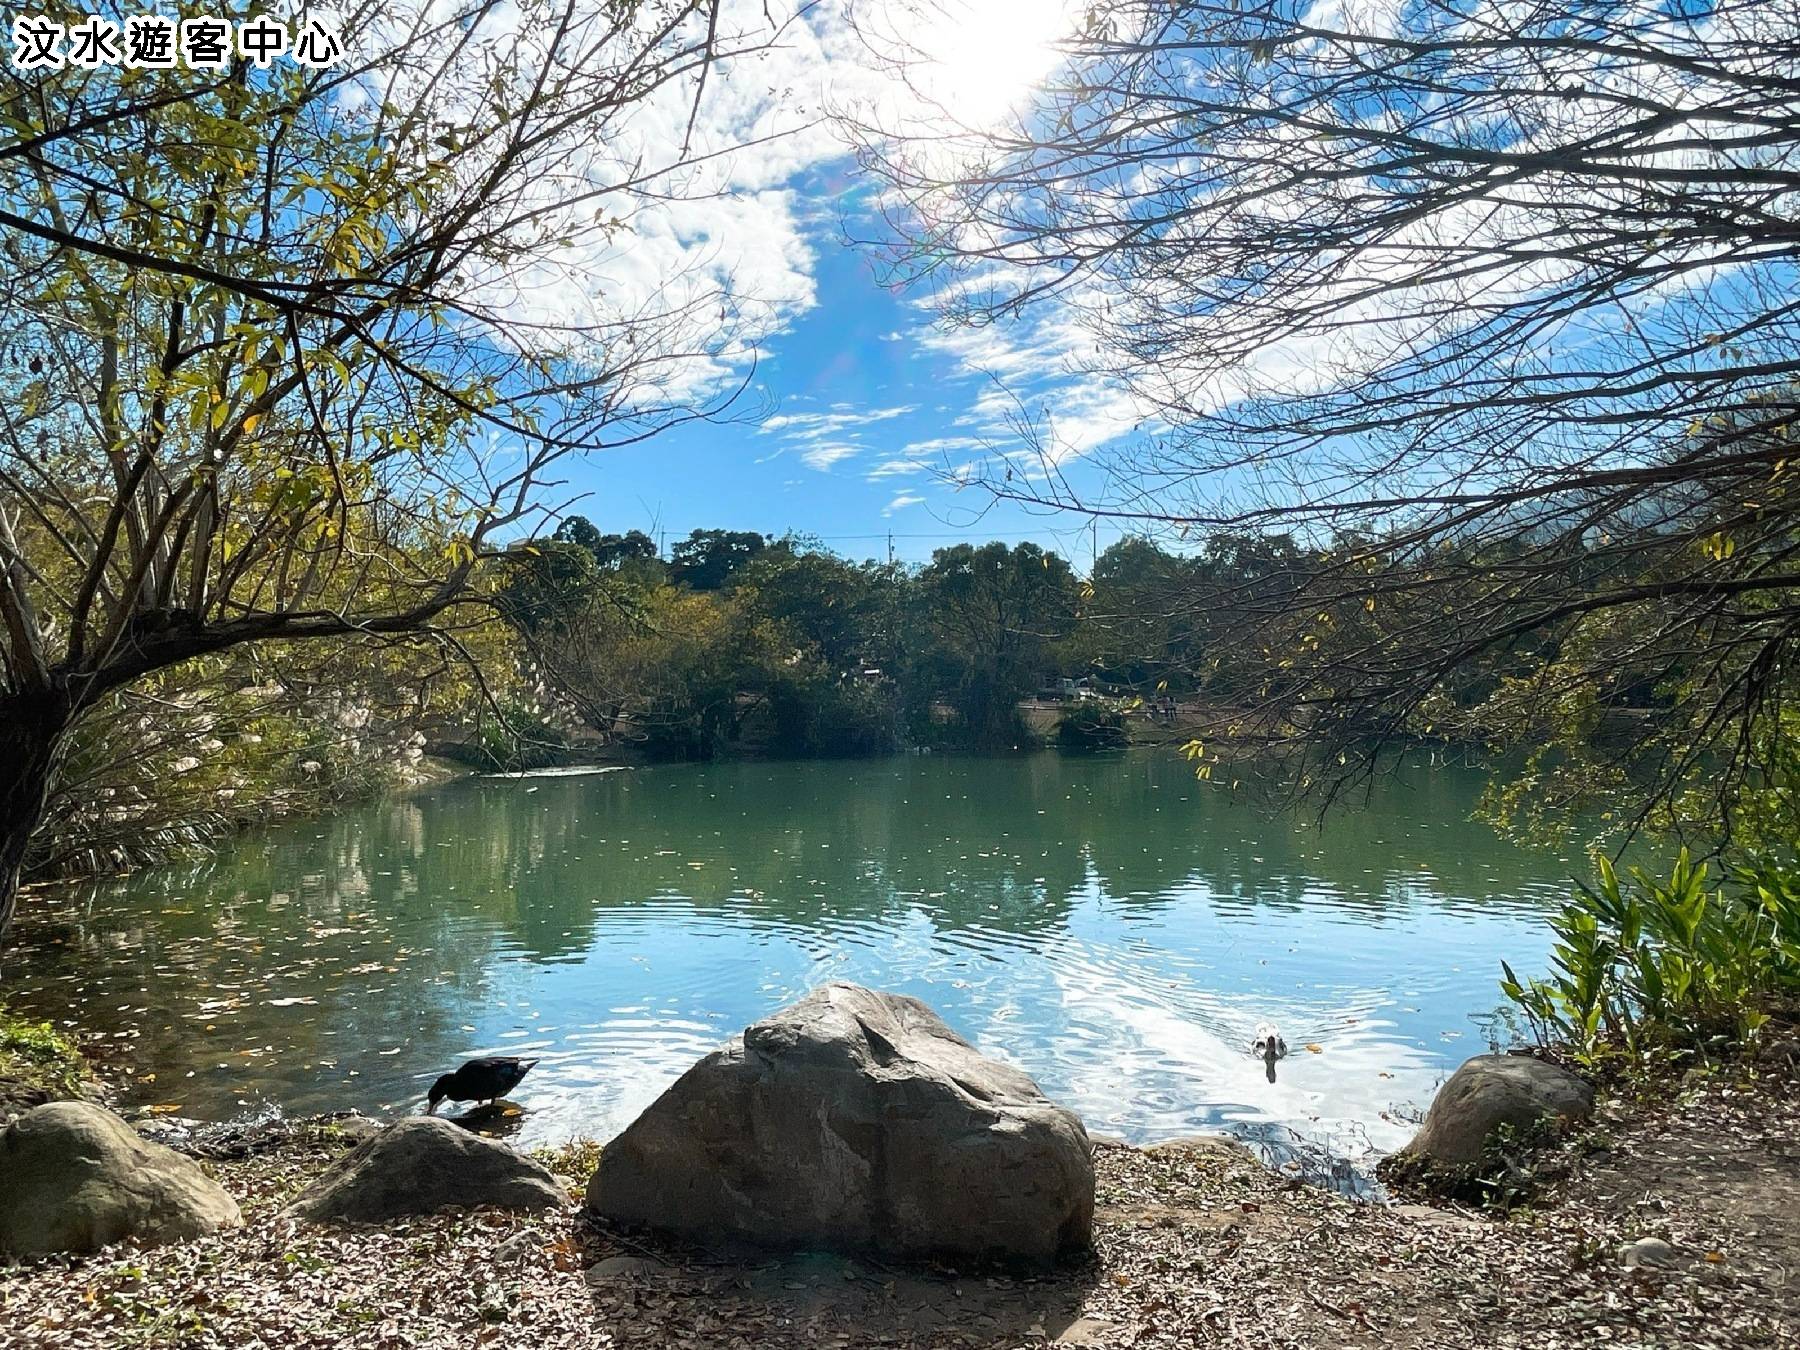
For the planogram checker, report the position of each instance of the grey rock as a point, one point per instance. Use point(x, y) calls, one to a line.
point(1088, 1331)
point(1490, 1091)
point(18, 1098)
point(855, 1120)
point(620, 1268)
point(166, 1129)
point(1431, 1216)
point(74, 1177)
point(359, 1129)
point(1650, 1251)
point(419, 1166)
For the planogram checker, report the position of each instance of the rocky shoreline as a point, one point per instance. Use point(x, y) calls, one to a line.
point(1194, 1245)
point(1663, 1222)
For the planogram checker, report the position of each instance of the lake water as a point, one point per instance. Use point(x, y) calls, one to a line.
point(1109, 924)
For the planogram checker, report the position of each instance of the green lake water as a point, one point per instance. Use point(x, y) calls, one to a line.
point(1109, 924)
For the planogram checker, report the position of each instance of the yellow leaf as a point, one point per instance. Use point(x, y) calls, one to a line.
point(251, 422)
point(1315, 1049)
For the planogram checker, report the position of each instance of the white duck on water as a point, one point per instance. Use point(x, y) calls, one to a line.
point(1267, 1043)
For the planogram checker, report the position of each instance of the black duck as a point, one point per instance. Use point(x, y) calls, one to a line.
point(480, 1080)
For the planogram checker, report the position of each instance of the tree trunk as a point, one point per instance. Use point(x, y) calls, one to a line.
point(32, 730)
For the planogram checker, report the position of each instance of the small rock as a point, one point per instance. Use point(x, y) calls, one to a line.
point(359, 1129)
point(1650, 1251)
point(166, 1129)
point(1432, 1216)
point(618, 1268)
point(516, 1247)
point(420, 1166)
point(74, 1177)
point(1089, 1331)
point(1488, 1092)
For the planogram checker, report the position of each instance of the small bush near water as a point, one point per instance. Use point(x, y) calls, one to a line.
point(1093, 724)
point(1652, 967)
point(576, 1159)
point(37, 1055)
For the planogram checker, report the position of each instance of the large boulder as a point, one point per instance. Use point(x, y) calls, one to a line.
point(422, 1165)
point(1486, 1093)
point(855, 1120)
point(74, 1178)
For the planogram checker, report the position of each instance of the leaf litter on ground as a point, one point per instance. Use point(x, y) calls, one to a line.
point(1195, 1247)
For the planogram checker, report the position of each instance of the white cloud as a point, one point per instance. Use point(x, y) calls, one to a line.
point(897, 468)
point(817, 426)
point(933, 455)
point(698, 250)
point(723, 239)
point(1033, 388)
point(725, 246)
point(944, 444)
point(822, 457)
point(901, 501)
point(824, 439)
point(1385, 303)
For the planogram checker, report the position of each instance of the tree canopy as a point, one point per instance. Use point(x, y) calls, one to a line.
point(706, 559)
point(278, 363)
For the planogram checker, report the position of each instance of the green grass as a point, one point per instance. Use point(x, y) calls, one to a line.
point(38, 1055)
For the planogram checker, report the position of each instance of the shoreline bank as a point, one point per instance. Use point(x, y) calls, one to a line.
point(1196, 1243)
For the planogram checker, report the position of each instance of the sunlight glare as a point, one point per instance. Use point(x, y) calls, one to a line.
point(985, 55)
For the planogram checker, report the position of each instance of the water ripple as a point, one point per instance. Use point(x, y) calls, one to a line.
point(1108, 926)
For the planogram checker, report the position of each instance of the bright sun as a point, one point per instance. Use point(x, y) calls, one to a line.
point(986, 54)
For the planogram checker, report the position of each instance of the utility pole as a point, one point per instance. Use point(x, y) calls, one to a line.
point(890, 548)
point(1094, 547)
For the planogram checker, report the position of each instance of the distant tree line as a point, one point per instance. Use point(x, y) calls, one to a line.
point(740, 641)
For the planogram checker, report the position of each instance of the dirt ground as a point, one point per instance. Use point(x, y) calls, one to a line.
point(1196, 1246)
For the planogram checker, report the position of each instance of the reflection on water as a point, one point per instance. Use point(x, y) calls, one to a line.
point(1110, 925)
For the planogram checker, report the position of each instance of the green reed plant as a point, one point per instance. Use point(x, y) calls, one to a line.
point(1646, 965)
point(1769, 884)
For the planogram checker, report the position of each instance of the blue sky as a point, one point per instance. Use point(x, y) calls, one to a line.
point(860, 402)
point(864, 410)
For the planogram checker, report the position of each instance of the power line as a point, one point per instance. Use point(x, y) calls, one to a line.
point(953, 534)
